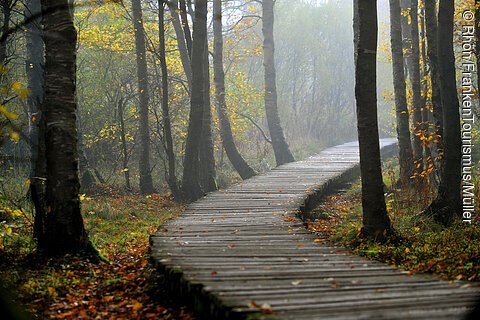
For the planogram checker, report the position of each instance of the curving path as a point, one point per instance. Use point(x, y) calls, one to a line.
point(244, 253)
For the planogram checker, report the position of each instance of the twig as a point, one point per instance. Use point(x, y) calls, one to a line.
point(256, 125)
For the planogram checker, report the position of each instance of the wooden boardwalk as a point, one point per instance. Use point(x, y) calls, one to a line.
point(244, 253)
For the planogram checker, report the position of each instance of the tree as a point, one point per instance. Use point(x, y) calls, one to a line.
point(186, 28)
point(376, 222)
point(181, 41)
point(123, 139)
point(146, 184)
point(432, 54)
point(414, 66)
point(34, 64)
point(63, 230)
point(426, 113)
point(448, 204)
point(401, 106)
point(167, 126)
point(190, 181)
point(279, 144)
point(89, 177)
point(242, 167)
point(206, 154)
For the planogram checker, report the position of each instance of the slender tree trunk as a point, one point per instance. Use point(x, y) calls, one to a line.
point(432, 53)
point(167, 127)
point(146, 184)
point(34, 70)
point(414, 66)
point(207, 157)
point(376, 223)
point(401, 106)
point(186, 27)
point(426, 114)
point(181, 42)
point(190, 180)
point(123, 138)
point(280, 146)
point(88, 176)
point(64, 230)
point(450, 183)
point(405, 6)
point(242, 167)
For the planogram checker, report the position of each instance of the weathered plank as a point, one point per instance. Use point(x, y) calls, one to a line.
point(242, 248)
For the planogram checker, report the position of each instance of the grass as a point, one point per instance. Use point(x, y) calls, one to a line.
point(424, 246)
point(125, 287)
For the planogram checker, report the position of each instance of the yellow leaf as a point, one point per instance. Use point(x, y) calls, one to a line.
point(8, 114)
point(16, 86)
point(51, 291)
point(14, 136)
point(17, 213)
point(6, 230)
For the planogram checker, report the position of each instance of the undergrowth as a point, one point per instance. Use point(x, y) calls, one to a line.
point(419, 247)
point(124, 287)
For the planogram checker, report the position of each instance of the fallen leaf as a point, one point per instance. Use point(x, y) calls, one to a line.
point(137, 306)
point(51, 291)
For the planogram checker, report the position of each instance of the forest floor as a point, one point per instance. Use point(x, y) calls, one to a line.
point(124, 287)
point(449, 252)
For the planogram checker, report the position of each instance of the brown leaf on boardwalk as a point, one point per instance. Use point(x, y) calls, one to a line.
point(266, 308)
